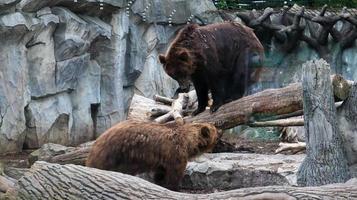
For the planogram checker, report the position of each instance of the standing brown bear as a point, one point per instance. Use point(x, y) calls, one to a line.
point(224, 58)
point(135, 147)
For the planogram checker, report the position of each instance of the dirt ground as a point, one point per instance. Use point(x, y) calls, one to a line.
point(229, 143)
point(16, 160)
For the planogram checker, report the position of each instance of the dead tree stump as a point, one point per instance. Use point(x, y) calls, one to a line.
point(325, 160)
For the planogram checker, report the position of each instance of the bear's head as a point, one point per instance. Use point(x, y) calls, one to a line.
point(178, 64)
point(179, 61)
point(203, 136)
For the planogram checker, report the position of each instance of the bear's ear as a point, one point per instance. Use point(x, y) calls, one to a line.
point(183, 55)
point(205, 132)
point(162, 59)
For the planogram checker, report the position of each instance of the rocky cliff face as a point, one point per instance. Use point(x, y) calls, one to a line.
point(69, 68)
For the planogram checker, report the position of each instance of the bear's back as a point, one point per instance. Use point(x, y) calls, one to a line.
point(231, 32)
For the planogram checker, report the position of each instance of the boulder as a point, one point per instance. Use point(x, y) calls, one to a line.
point(74, 35)
point(49, 119)
point(14, 94)
point(40, 55)
point(227, 171)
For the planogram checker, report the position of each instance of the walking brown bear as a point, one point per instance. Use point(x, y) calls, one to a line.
point(135, 147)
point(224, 58)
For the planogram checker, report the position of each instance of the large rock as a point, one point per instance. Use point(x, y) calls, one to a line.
point(14, 94)
point(85, 101)
point(40, 55)
point(8, 6)
point(110, 54)
point(68, 72)
point(153, 79)
point(74, 35)
point(49, 119)
point(227, 171)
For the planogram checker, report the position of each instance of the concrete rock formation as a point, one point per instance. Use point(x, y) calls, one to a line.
point(69, 68)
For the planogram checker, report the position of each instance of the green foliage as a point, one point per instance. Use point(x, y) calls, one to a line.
point(250, 4)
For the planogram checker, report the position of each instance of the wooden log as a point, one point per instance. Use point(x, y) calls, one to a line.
point(77, 156)
point(141, 107)
point(296, 147)
point(325, 161)
point(53, 181)
point(157, 112)
point(176, 112)
point(162, 99)
point(70, 155)
point(268, 103)
point(262, 104)
point(279, 123)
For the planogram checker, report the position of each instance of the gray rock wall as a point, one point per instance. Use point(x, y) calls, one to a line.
point(69, 69)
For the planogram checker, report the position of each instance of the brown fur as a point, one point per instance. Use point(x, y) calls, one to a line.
point(135, 147)
point(221, 57)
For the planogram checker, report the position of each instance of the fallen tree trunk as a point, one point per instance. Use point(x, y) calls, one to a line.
point(270, 103)
point(68, 155)
point(53, 181)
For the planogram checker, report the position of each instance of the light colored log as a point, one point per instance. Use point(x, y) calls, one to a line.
point(157, 112)
point(176, 112)
point(295, 147)
point(53, 181)
point(141, 107)
point(162, 99)
point(279, 123)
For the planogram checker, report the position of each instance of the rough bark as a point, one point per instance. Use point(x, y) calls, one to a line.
point(77, 155)
point(347, 121)
point(53, 181)
point(325, 161)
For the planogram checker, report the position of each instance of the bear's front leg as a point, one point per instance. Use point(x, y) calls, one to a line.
point(173, 177)
point(218, 94)
point(202, 94)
